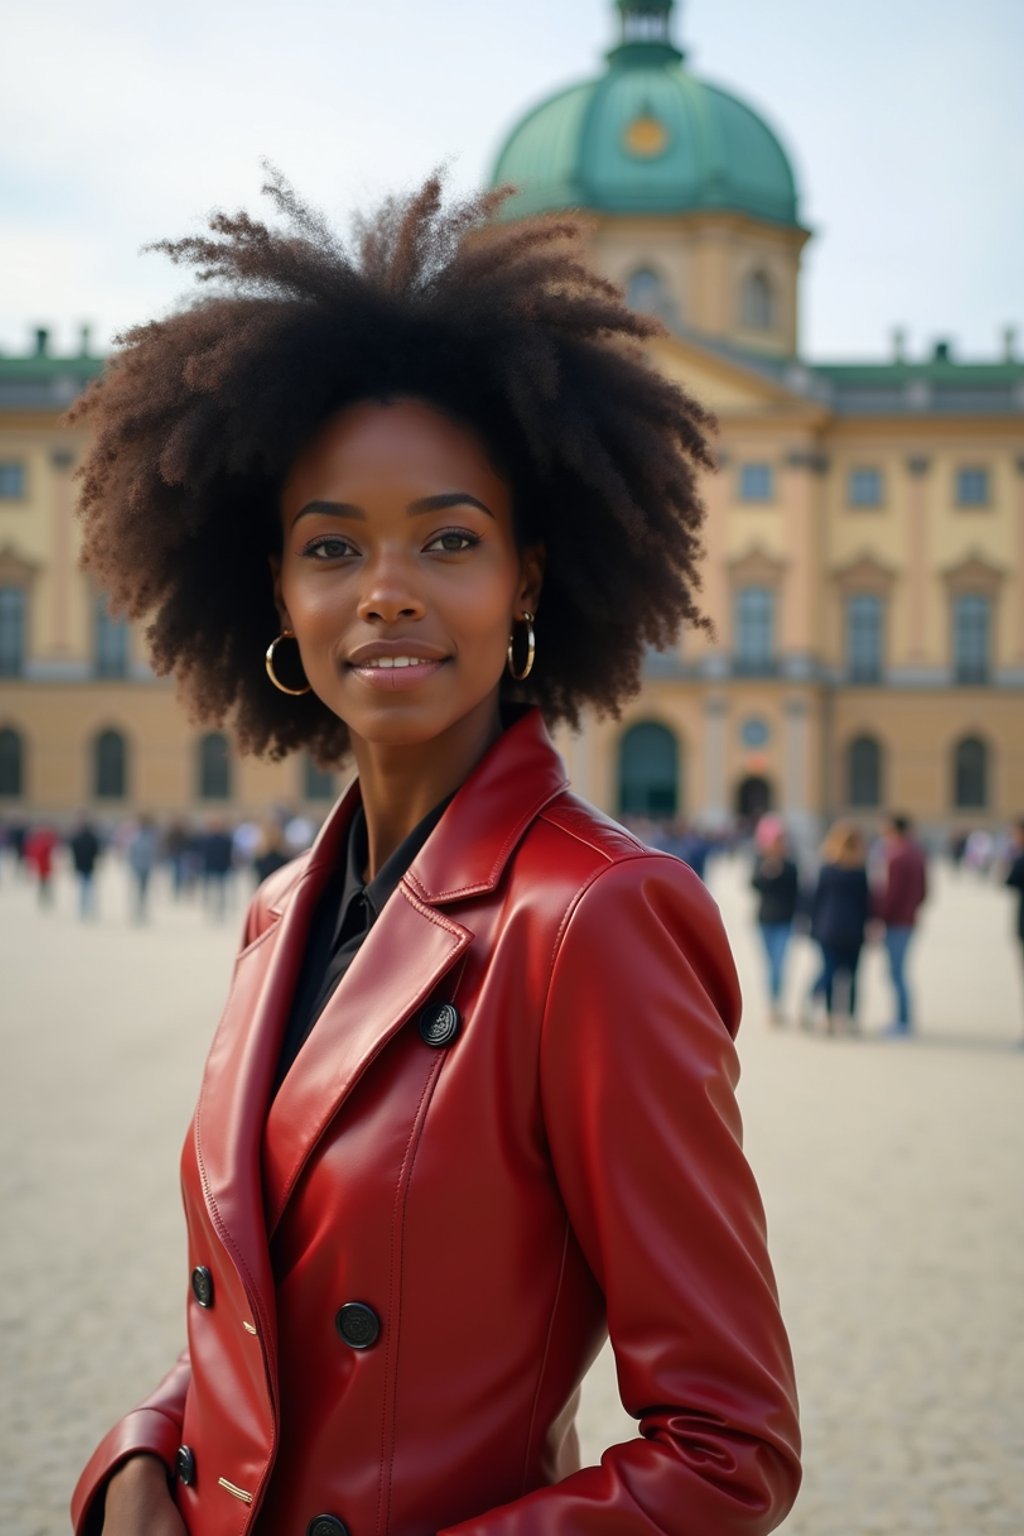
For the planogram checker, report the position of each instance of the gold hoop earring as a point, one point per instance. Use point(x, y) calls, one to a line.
point(286, 634)
point(526, 617)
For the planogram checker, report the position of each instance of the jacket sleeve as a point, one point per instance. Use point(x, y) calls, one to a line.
point(154, 1427)
point(637, 1073)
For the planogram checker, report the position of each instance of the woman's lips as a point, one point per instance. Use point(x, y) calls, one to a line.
point(396, 679)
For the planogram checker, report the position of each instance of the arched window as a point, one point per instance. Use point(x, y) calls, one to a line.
point(757, 302)
point(214, 767)
point(970, 774)
point(317, 783)
point(648, 771)
point(110, 766)
point(645, 291)
point(864, 773)
point(12, 762)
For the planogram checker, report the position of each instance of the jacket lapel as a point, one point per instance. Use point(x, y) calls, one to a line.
point(412, 946)
point(240, 1069)
point(252, 1158)
point(406, 954)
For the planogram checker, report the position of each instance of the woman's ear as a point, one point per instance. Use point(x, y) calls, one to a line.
point(532, 577)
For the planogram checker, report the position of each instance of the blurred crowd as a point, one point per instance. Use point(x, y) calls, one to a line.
point(201, 861)
point(849, 893)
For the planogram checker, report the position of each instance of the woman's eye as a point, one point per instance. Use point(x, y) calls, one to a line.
point(453, 541)
point(329, 547)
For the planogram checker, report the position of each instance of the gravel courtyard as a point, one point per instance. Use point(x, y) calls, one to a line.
point(891, 1173)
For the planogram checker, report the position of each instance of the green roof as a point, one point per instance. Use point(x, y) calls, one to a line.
point(42, 380)
point(647, 136)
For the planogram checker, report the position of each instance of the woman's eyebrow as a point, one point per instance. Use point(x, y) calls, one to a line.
point(331, 509)
point(445, 500)
point(439, 503)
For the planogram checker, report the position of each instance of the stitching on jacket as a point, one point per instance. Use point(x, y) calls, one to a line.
point(231, 1246)
point(639, 849)
point(395, 1289)
point(510, 842)
point(455, 929)
point(544, 1356)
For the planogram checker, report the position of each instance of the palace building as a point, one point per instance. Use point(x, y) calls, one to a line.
point(865, 533)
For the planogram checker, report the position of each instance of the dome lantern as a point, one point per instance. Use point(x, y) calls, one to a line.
point(646, 33)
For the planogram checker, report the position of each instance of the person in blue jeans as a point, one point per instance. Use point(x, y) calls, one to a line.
point(776, 881)
point(839, 916)
point(895, 904)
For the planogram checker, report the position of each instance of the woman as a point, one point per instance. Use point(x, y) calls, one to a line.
point(776, 881)
point(470, 1103)
point(839, 916)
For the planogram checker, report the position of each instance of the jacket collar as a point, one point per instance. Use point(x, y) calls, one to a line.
point(468, 850)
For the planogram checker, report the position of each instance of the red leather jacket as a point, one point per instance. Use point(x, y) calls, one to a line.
point(567, 1161)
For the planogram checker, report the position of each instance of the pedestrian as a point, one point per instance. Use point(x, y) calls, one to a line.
point(272, 853)
point(1015, 880)
point(218, 854)
point(176, 850)
point(839, 913)
point(142, 854)
point(40, 845)
point(470, 1102)
point(686, 843)
point(84, 845)
point(895, 905)
point(776, 880)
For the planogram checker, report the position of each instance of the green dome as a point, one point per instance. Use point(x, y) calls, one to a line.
point(646, 137)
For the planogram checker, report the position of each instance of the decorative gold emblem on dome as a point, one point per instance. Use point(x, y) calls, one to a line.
point(646, 136)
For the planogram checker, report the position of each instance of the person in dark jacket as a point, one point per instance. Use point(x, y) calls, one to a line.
point(1015, 880)
point(896, 904)
point(839, 916)
point(271, 855)
point(776, 881)
point(85, 847)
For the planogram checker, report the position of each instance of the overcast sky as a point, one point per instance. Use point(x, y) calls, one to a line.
point(121, 122)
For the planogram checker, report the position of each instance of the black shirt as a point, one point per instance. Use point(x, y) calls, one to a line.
point(345, 913)
point(776, 882)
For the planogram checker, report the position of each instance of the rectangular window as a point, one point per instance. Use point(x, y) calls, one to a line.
point(317, 783)
point(755, 630)
point(972, 487)
point(864, 615)
point(864, 488)
point(972, 642)
point(756, 482)
point(12, 481)
point(12, 631)
point(111, 643)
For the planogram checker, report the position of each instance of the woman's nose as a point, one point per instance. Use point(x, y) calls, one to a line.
point(388, 593)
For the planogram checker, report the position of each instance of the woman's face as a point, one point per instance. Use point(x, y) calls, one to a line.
point(399, 571)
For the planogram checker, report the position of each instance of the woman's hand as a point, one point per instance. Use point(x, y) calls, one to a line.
point(139, 1501)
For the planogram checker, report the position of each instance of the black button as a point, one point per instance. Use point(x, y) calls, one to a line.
point(202, 1286)
point(326, 1525)
point(439, 1023)
point(358, 1324)
point(185, 1465)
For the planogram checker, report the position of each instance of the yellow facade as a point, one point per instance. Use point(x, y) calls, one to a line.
point(864, 555)
point(782, 738)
